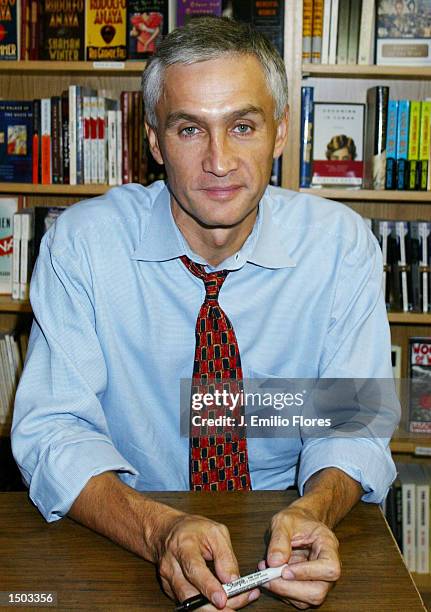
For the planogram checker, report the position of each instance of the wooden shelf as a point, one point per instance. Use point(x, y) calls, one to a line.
point(410, 318)
point(370, 195)
point(130, 68)
point(414, 444)
point(69, 190)
point(7, 304)
point(356, 71)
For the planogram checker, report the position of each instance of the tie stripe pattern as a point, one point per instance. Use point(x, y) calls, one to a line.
point(218, 453)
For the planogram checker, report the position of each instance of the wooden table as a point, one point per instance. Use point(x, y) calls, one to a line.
point(91, 573)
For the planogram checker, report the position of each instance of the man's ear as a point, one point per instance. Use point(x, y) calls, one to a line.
point(153, 142)
point(281, 135)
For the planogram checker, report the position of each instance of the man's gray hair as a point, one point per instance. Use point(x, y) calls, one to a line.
point(206, 38)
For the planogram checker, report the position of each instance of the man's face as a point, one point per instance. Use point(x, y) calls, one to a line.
point(217, 137)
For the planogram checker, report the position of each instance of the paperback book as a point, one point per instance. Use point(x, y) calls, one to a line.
point(147, 22)
point(420, 384)
point(338, 143)
point(8, 207)
point(106, 30)
point(62, 31)
point(16, 134)
point(9, 29)
point(267, 16)
point(187, 9)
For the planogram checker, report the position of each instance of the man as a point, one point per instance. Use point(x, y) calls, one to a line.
point(116, 292)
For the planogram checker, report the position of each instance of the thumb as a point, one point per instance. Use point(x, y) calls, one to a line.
point(279, 548)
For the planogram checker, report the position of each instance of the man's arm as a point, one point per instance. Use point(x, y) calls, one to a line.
point(178, 543)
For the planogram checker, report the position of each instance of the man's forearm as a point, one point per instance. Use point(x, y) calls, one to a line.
point(124, 515)
point(329, 495)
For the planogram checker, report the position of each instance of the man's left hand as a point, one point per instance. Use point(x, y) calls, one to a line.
point(311, 550)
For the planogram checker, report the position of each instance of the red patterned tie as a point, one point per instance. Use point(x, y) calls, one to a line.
point(219, 459)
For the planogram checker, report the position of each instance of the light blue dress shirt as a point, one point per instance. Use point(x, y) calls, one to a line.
point(115, 312)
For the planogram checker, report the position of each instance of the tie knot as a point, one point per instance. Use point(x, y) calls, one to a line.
point(213, 280)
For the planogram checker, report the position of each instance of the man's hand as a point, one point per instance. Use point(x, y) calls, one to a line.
point(311, 550)
point(182, 545)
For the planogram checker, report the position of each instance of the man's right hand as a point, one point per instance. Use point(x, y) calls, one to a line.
point(182, 545)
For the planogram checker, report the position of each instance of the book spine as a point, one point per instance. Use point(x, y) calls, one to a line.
point(307, 94)
point(317, 32)
point(79, 120)
point(130, 136)
point(36, 144)
point(366, 35)
point(86, 157)
point(343, 31)
point(26, 236)
point(402, 142)
point(72, 135)
point(24, 28)
point(34, 33)
point(143, 166)
point(136, 136)
point(401, 231)
point(413, 148)
point(45, 111)
point(376, 131)
point(326, 31)
point(124, 101)
point(65, 171)
point(16, 255)
point(119, 152)
point(55, 135)
point(354, 23)
point(94, 142)
point(422, 528)
point(409, 519)
point(424, 232)
point(424, 144)
point(112, 148)
point(333, 36)
point(101, 141)
point(307, 30)
point(391, 145)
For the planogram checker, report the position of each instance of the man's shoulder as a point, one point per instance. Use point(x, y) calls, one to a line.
point(118, 215)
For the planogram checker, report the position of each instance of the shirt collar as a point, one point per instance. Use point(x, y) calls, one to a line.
point(162, 240)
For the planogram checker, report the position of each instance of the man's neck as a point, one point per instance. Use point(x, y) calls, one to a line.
point(214, 244)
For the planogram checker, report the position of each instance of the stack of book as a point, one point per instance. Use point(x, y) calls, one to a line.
point(391, 149)
point(391, 32)
point(13, 348)
point(407, 510)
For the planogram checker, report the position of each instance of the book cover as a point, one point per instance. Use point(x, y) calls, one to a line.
point(147, 22)
point(8, 207)
point(62, 31)
point(9, 29)
point(402, 142)
point(267, 16)
point(403, 32)
point(424, 145)
point(338, 144)
point(307, 94)
point(307, 30)
point(16, 140)
point(420, 384)
point(391, 145)
point(375, 144)
point(413, 148)
point(106, 27)
point(187, 9)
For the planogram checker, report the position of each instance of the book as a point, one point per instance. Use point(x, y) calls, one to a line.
point(8, 207)
point(307, 30)
point(305, 160)
point(375, 141)
point(338, 144)
point(413, 148)
point(187, 9)
point(26, 255)
point(394, 511)
point(420, 384)
point(264, 15)
point(343, 31)
point(422, 484)
point(317, 32)
point(354, 25)
point(401, 231)
point(408, 494)
point(10, 30)
point(424, 230)
point(16, 140)
point(147, 23)
point(402, 142)
point(62, 33)
point(391, 145)
point(44, 217)
point(403, 32)
point(366, 34)
point(46, 160)
point(16, 249)
point(382, 231)
point(326, 31)
point(424, 145)
point(105, 32)
point(333, 35)
point(413, 247)
point(396, 360)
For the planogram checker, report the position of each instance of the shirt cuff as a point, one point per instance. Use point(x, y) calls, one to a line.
point(62, 473)
point(367, 461)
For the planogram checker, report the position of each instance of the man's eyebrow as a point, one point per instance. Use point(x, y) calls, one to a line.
point(174, 118)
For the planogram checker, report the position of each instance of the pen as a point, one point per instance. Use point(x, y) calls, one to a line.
point(245, 583)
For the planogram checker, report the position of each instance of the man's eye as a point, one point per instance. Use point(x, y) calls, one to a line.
point(242, 128)
point(189, 131)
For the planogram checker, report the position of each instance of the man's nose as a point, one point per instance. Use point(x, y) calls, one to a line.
point(220, 157)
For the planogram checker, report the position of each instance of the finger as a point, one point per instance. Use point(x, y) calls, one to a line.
point(312, 593)
point(197, 574)
point(319, 569)
point(278, 549)
point(225, 561)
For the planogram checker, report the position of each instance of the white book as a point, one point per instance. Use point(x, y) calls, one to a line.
point(366, 33)
point(326, 31)
point(86, 120)
point(27, 231)
point(401, 231)
point(424, 232)
point(333, 35)
point(384, 231)
point(422, 520)
point(408, 494)
point(101, 141)
point(16, 255)
point(72, 134)
point(119, 126)
point(112, 147)
point(396, 360)
point(45, 131)
point(7, 374)
point(94, 139)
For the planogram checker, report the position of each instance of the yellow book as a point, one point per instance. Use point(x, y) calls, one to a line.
point(316, 41)
point(307, 30)
point(424, 145)
point(106, 30)
point(413, 149)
